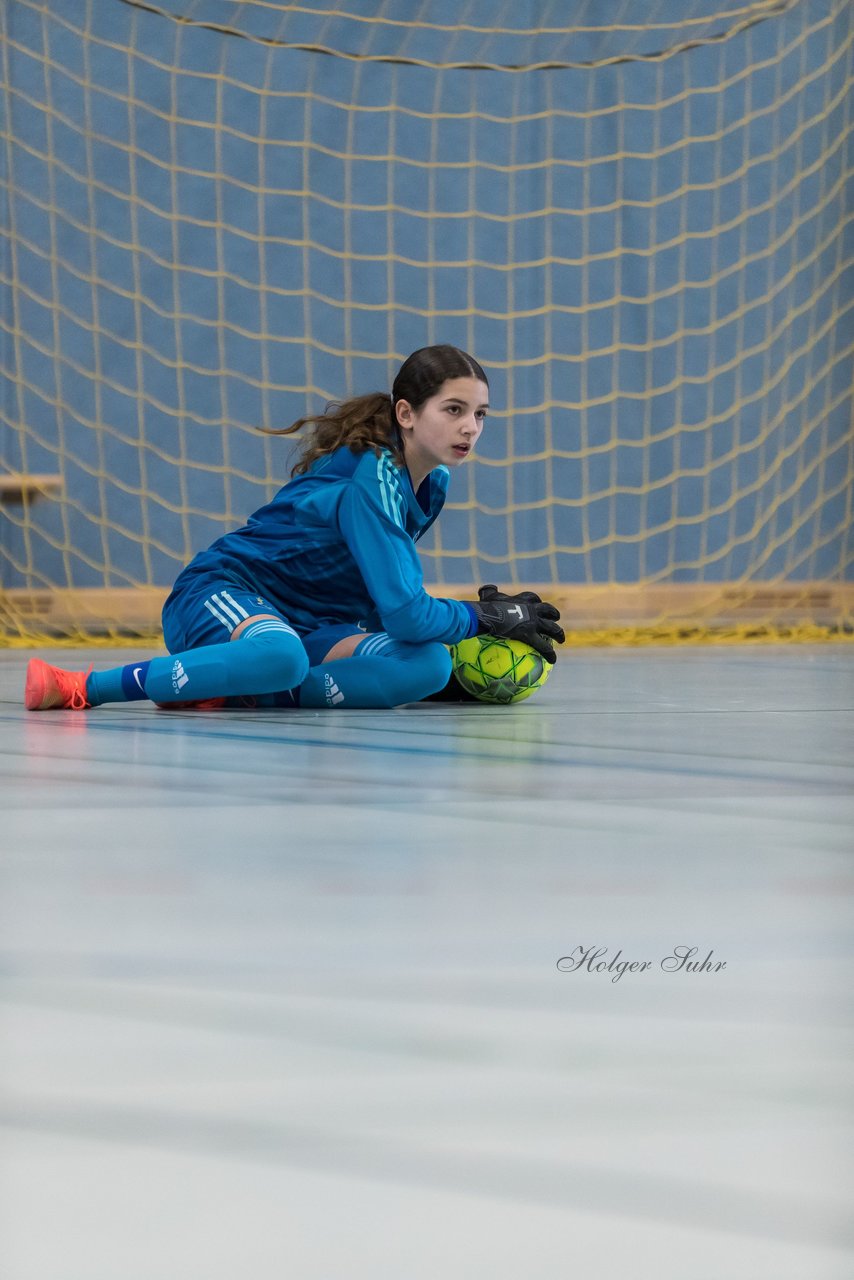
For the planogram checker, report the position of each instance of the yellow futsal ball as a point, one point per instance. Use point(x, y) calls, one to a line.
point(498, 670)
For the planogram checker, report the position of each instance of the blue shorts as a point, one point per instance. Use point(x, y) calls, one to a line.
point(207, 610)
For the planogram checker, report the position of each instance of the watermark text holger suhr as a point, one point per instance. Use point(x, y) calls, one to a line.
point(682, 959)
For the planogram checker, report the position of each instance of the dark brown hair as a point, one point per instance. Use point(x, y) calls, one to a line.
point(369, 422)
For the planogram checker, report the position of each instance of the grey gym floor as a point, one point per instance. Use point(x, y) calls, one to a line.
point(281, 996)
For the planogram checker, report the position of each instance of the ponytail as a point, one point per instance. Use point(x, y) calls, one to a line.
point(363, 423)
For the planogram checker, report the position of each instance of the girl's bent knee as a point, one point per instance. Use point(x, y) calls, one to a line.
point(437, 664)
point(427, 670)
point(280, 658)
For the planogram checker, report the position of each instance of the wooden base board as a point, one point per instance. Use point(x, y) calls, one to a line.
point(136, 611)
point(17, 488)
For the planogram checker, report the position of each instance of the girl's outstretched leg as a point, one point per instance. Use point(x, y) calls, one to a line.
point(381, 673)
point(267, 655)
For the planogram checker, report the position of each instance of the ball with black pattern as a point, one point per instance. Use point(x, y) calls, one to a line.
point(494, 669)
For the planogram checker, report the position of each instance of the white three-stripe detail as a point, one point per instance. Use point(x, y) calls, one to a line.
point(261, 628)
point(235, 617)
point(383, 494)
point(216, 613)
point(389, 491)
point(239, 607)
point(370, 648)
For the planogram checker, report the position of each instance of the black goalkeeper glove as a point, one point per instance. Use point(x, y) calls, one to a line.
point(491, 592)
point(531, 621)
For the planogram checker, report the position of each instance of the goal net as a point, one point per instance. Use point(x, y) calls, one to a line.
point(217, 216)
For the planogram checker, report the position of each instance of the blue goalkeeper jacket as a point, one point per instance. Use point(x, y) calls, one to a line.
point(338, 545)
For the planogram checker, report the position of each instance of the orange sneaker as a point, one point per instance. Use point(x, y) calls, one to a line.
point(50, 688)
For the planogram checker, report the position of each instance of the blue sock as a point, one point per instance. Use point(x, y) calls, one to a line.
point(381, 673)
point(121, 684)
point(267, 656)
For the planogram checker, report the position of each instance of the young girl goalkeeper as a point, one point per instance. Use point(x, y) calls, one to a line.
point(318, 601)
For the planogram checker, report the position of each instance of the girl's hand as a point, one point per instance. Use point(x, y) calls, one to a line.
point(532, 622)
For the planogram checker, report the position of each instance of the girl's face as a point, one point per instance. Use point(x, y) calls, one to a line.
point(445, 429)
